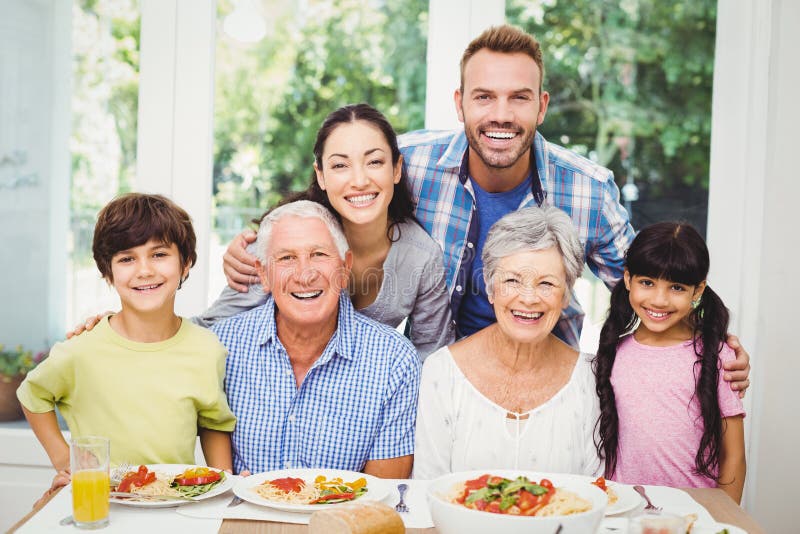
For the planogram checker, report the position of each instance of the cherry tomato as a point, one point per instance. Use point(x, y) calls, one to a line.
point(493, 507)
point(600, 483)
point(527, 500)
point(477, 483)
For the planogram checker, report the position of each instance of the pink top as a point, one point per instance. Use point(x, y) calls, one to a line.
point(660, 425)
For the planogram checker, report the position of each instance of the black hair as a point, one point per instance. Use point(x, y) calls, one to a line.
point(676, 252)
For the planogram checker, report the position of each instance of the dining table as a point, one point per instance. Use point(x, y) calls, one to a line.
point(214, 515)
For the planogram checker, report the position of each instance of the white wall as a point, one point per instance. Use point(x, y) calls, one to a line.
point(452, 25)
point(755, 185)
point(25, 473)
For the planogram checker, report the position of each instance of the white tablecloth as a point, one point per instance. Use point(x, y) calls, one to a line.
point(122, 519)
point(417, 517)
point(206, 516)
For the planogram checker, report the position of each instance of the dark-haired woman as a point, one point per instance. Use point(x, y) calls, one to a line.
point(398, 270)
point(666, 415)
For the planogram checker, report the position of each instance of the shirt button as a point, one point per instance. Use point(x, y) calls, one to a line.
point(287, 465)
point(470, 245)
point(291, 418)
point(288, 372)
point(458, 288)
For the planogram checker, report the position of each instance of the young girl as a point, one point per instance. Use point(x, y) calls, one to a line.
point(667, 416)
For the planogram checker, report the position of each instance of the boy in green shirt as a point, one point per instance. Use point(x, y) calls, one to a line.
point(145, 378)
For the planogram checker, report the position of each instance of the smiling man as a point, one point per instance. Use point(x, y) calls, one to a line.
point(314, 383)
point(499, 163)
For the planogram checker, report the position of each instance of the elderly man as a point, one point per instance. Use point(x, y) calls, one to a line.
point(312, 382)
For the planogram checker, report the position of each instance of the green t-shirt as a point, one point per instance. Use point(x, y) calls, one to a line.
point(148, 398)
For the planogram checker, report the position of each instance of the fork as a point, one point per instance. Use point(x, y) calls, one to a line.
point(118, 472)
point(640, 491)
point(138, 497)
point(235, 501)
point(401, 506)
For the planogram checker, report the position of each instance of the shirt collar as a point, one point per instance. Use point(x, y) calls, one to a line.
point(455, 151)
point(341, 343)
point(268, 329)
point(539, 154)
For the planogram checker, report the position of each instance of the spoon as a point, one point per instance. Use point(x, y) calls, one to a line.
point(650, 506)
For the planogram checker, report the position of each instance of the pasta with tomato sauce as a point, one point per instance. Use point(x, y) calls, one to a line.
point(520, 496)
point(323, 491)
point(147, 483)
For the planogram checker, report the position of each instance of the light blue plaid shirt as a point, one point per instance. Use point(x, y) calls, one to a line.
point(357, 403)
point(439, 179)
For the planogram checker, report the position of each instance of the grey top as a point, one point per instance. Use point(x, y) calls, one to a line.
point(413, 287)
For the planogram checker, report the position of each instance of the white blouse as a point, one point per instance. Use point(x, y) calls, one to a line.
point(459, 429)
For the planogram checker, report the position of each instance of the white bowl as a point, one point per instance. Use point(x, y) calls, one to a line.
point(452, 518)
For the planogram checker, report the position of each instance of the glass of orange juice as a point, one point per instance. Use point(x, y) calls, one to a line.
point(89, 458)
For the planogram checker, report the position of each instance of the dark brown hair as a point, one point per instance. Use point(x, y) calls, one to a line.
point(401, 207)
point(505, 39)
point(133, 219)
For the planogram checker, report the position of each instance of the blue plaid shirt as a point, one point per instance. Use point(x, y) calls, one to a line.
point(439, 179)
point(357, 402)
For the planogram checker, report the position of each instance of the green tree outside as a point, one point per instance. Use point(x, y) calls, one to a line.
point(630, 84)
point(272, 99)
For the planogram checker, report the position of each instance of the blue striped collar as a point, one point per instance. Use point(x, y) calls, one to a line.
point(454, 154)
point(341, 343)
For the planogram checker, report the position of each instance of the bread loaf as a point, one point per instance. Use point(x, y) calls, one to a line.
point(365, 517)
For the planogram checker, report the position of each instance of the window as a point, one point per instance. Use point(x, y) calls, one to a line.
point(630, 87)
point(304, 60)
point(105, 92)
point(68, 108)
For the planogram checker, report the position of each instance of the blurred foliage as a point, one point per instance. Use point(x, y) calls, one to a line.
point(272, 97)
point(105, 99)
point(17, 361)
point(630, 84)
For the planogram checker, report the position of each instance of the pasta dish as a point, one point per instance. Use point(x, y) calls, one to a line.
point(520, 496)
point(147, 483)
point(603, 485)
point(190, 483)
point(323, 491)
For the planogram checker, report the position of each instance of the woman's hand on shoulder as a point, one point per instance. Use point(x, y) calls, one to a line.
point(737, 371)
point(88, 324)
point(238, 264)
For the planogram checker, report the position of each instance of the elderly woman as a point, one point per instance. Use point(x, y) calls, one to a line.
point(513, 395)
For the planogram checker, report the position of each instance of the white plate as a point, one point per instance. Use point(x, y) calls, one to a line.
point(714, 528)
point(377, 489)
point(627, 499)
point(175, 469)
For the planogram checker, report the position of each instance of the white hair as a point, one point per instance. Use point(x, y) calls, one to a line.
point(533, 228)
point(305, 209)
